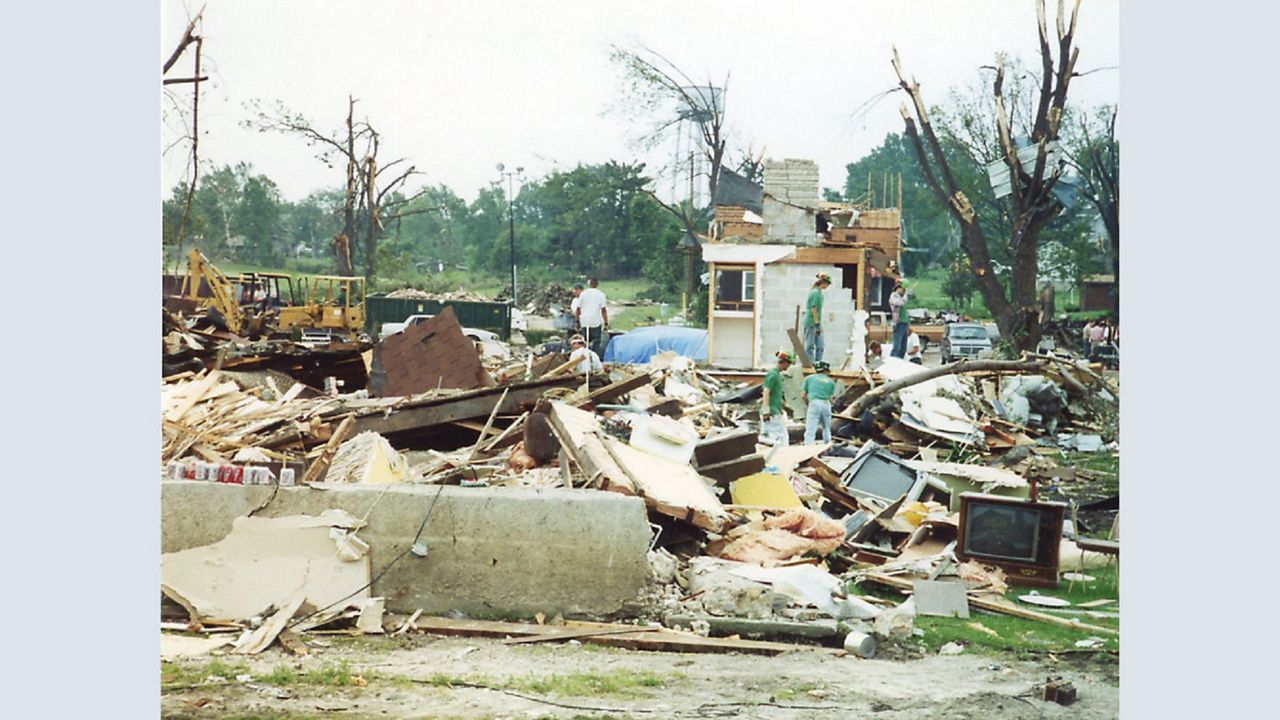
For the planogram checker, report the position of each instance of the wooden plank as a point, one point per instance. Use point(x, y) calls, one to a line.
point(574, 634)
point(462, 406)
point(662, 640)
point(831, 487)
point(668, 487)
point(577, 432)
point(615, 390)
point(202, 386)
point(320, 465)
point(798, 346)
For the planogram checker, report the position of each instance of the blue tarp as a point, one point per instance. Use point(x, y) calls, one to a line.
point(637, 346)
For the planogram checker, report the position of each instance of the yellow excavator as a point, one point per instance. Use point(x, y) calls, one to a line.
point(220, 302)
point(253, 303)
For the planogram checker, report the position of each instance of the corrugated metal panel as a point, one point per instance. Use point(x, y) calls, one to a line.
point(998, 172)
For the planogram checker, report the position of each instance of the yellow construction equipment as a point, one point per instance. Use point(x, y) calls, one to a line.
point(333, 302)
point(221, 303)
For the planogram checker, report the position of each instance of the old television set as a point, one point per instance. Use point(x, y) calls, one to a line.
point(879, 475)
point(1019, 536)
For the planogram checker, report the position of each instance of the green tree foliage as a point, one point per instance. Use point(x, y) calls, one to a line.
point(959, 285)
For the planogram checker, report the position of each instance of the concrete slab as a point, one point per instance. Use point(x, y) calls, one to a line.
point(492, 552)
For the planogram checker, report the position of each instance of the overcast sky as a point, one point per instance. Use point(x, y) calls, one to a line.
point(459, 86)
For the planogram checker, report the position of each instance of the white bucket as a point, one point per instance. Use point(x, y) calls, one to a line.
point(860, 644)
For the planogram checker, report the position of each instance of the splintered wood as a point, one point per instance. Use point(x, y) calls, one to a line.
point(670, 488)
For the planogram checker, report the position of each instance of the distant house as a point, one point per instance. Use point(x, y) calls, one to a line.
point(1096, 292)
point(766, 245)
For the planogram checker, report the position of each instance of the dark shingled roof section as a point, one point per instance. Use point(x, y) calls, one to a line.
point(735, 189)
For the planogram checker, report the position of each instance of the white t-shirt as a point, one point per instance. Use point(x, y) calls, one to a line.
point(573, 306)
point(913, 345)
point(589, 361)
point(591, 302)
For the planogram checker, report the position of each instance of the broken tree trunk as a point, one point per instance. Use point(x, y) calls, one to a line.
point(955, 368)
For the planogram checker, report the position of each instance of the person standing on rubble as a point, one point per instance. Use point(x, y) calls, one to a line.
point(818, 391)
point(813, 344)
point(573, 306)
point(901, 320)
point(1097, 336)
point(1088, 330)
point(588, 360)
point(593, 316)
point(773, 419)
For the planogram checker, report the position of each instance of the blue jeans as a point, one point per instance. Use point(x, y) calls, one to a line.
point(900, 331)
point(819, 416)
point(774, 430)
point(813, 342)
point(596, 339)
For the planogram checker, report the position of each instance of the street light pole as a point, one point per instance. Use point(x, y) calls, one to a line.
point(511, 218)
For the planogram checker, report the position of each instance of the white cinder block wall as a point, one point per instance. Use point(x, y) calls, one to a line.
point(786, 285)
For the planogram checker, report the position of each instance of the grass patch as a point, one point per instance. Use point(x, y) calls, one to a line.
point(795, 691)
point(1008, 634)
point(177, 675)
point(593, 684)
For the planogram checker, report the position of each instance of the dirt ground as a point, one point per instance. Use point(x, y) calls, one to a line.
point(419, 676)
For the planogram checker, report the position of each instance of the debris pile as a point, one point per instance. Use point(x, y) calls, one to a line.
point(942, 482)
point(537, 299)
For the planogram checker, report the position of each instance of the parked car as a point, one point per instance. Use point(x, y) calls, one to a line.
point(964, 340)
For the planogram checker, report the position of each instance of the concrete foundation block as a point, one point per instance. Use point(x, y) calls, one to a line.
point(492, 552)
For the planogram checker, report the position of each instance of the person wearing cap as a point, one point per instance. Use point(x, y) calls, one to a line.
point(773, 419)
point(813, 344)
point(818, 390)
point(901, 320)
point(588, 360)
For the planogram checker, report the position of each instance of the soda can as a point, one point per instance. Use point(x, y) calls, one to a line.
point(189, 470)
point(286, 476)
point(237, 475)
point(173, 470)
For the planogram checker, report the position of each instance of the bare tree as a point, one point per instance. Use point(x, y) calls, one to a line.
point(659, 89)
point(1094, 152)
point(369, 196)
point(189, 37)
point(1031, 202)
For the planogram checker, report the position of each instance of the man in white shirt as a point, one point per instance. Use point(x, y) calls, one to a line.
point(588, 360)
point(573, 306)
point(593, 316)
point(913, 348)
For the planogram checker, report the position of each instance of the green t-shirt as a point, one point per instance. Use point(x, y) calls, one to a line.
point(819, 387)
point(814, 302)
point(773, 383)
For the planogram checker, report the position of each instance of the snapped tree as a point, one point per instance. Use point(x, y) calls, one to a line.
point(1031, 202)
point(370, 200)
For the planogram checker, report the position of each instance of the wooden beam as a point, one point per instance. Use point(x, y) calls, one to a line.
point(463, 406)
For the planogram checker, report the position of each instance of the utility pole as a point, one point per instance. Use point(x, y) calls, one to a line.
point(511, 218)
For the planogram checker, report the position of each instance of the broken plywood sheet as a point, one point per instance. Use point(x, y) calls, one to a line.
point(430, 355)
point(790, 457)
point(578, 433)
point(668, 487)
point(264, 562)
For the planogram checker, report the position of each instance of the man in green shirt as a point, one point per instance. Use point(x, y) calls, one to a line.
point(773, 419)
point(818, 390)
point(813, 344)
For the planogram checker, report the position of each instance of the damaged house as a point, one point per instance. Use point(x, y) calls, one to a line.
point(768, 243)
